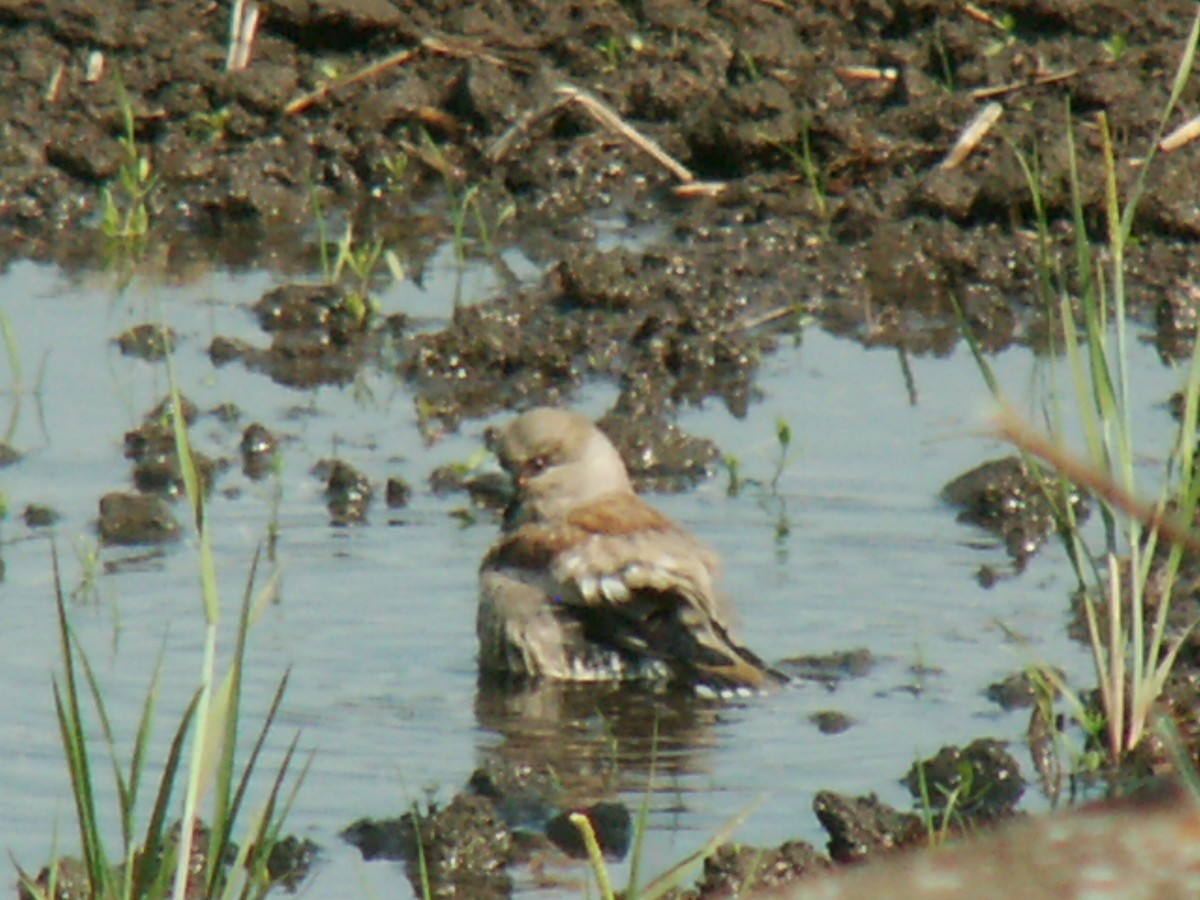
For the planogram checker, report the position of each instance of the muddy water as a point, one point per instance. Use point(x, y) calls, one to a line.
point(853, 549)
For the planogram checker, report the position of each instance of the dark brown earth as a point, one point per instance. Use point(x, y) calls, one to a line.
point(830, 199)
point(1021, 506)
point(812, 136)
point(832, 204)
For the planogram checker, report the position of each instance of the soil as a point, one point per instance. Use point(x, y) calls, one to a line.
point(824, 126)
point(1020, 506)
point(810, 183)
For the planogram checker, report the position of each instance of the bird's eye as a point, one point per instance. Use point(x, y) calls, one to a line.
point(536, 465)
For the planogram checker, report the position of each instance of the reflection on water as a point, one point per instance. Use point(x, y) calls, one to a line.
point(548, 751)
point(589, 741)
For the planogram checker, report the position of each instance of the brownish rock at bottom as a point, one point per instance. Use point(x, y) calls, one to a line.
point(1132, 848)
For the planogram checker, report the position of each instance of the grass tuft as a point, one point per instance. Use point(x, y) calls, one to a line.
point(188, 858)
point(1126, 582)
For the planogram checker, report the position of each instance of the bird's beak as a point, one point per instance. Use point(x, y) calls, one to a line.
point(491, 439)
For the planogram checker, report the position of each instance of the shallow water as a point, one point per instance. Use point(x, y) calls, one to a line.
point(376, 622)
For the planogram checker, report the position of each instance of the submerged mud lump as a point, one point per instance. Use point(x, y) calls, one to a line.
point(862, 827)
point(147, 341)
point(463, 849)
point(156, 466)
point(1019, 504)
point(129, 519)
point(311, 307)
point(259, 448)
point(982, 782)
point(348, 491)
point(732, 869)
point(39, 515)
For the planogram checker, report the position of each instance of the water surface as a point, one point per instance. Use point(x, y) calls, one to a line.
point(853, 549)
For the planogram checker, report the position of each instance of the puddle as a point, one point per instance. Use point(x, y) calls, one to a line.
point(853, 549)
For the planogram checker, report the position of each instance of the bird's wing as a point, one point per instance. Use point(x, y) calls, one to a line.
point(640, 585)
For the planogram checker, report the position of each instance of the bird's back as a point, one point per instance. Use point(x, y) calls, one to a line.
point(614, 590)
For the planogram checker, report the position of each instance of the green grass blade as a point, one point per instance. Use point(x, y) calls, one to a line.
point(126, 790)
point(1183, 74)
point(643, 818)
point(74, 738)
point(150, 868)
point(260, 842)
point(271, 834)
point(248, 770)
point(228, 708)
point(14, 354)
point(141, 741)
point(595, 854)
point(221, 839)
point(78, 768)
point(668, 879)
point(195, 495)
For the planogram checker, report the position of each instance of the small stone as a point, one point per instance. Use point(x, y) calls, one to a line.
point(8, 456)
point(259, 450)
point(38, 516)
point(398, 492)
point(128, 519)
point(149, 342)
point(348, 492)
point(611, 824)
point(831, 721)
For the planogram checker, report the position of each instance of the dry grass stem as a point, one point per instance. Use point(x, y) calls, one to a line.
point(435, 161)
point(606, 116)
point(504, 144)
point(990, 93)
point(972, 136)
point(699, 189)
point(983, 16)
point(463, 49)
point(457, 49)
point(94, 70)
point(304, 101)
point(764, 318)
point(243, 29)
point(867, 73)
point(1181, 136)
point(54, 85)
point(610, 119)
point(1153, 517)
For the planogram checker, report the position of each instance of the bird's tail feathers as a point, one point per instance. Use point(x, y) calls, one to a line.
point(725, 667)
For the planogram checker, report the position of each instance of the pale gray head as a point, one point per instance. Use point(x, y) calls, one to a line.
point(559, 459)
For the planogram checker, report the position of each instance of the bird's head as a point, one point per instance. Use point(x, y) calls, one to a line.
point(559, 461)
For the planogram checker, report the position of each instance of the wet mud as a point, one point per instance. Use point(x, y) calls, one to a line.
point(819, 129)
point(807, 183)
point(1019, 503)
point(287, 865)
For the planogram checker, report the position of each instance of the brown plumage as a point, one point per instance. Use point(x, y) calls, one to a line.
point(590, 582)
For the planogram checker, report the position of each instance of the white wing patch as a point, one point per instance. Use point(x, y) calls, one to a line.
point(615, 588)
point(596, 587)
point(609, 568)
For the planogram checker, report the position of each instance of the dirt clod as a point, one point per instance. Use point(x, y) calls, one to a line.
point(977, 783)
point(862, 827)
point(148, 342)
point(136, 519)
point(348, 492)
point(1021, 506)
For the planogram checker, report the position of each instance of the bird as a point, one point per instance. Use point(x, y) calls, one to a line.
point(589, 582)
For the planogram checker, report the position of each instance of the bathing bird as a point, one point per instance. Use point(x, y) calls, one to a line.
point(589, 582)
